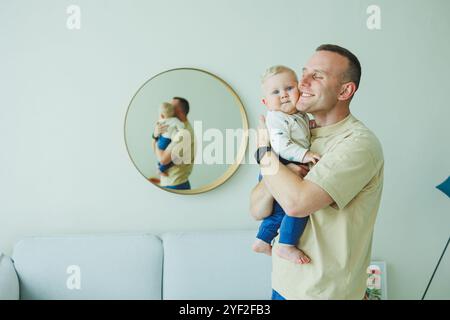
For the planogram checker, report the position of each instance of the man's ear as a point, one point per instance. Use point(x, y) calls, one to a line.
point(347, 91)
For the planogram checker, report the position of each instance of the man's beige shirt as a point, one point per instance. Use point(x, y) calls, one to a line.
point(338, 238)
point(178, 174)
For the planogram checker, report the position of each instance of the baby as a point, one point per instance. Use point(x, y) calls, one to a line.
point(167, 117)
point(290, 139)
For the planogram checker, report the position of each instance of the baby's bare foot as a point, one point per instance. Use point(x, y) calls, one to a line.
point(262, 247)
point(292, 253)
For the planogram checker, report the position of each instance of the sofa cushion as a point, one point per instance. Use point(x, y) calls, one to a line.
point(9, 284)
point(214, 265)
point(90, 267)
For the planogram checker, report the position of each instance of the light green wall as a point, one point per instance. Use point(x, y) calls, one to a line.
point(64, 165)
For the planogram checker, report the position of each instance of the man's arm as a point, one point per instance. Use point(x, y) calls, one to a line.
point(261, 202)
point(164, 156)
point(298, 197)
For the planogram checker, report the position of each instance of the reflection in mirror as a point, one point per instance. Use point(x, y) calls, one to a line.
point(186, 130)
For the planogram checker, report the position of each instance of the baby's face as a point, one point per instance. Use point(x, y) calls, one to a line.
point(281, 92)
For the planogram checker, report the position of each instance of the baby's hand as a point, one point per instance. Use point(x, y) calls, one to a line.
point(311, 157)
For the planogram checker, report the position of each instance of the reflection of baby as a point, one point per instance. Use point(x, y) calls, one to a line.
point(167, 118)
point(290, 139)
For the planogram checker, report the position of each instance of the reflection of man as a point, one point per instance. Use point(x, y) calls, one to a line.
point(341, 193)
point(177, 176)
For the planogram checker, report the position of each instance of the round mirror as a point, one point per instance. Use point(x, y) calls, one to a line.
point(186, 130)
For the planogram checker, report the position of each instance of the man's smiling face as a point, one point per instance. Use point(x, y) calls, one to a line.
point(321, 82)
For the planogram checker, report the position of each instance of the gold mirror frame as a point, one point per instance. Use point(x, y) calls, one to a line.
point(241, 152)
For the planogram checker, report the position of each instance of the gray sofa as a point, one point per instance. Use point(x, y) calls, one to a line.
point(190, 265)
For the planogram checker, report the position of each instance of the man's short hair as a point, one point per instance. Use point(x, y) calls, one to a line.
point(276, 70)
point(184, 104)
point(353, 72)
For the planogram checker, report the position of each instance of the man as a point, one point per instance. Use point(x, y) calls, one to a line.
point(341, 193)
point(177, 176)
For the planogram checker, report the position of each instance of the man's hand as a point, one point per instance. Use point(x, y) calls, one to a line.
point(263, 134)
point(159, 129)
point(261, 201)
point(300, 170)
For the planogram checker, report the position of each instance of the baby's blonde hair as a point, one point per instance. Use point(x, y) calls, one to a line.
point(167, 109)
point(276, 70)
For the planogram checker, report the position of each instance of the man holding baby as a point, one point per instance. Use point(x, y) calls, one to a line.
point(340, 193)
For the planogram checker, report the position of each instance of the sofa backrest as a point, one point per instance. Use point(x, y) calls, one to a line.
point(214, 265)
point(90, 267)
point(191, 265)
point(9, 284)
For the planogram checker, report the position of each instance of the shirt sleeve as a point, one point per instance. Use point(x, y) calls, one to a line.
point(344, 171)
point(280, 138)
